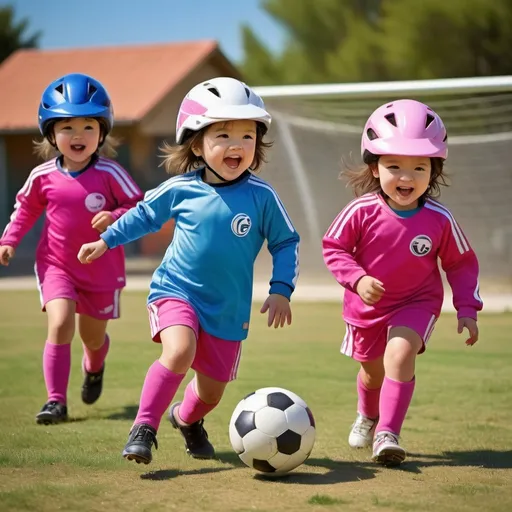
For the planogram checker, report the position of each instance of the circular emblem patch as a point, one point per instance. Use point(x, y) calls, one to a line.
point(241, 224)
point(421, 245)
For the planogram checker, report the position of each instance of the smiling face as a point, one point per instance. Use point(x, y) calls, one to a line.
point(404, 179)
point(228, 147)
point(77, 139)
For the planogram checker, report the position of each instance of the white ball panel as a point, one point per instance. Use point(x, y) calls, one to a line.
point(308, 440)
point(294, 461)
point(271, 421)
point(255, 402)
point(279, 460)
point(235, 439)
point(297, 418)
point(259, 445)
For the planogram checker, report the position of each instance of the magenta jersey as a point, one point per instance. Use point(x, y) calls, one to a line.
point(71, 203)
point(369, 238)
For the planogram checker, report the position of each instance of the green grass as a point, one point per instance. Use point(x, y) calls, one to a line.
point(458, 430)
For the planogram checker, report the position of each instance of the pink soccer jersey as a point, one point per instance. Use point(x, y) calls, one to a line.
point(369, 238)
point(71, 203)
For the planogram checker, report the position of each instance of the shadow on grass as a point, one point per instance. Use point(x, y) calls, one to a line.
point(339, 472)
point(129, 412)
point(168, 474)
point(488, 459)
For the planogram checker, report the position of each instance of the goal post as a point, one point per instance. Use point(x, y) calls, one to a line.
point(318, 125)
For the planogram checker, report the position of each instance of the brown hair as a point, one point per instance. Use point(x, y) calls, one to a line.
point(180, 159)
point(362, 180)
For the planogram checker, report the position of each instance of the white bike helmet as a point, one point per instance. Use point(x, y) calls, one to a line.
point(219, 99)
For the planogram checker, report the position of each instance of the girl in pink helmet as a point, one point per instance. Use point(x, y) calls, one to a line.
point(383, 248)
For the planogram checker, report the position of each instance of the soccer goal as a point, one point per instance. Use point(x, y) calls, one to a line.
point(316, 125)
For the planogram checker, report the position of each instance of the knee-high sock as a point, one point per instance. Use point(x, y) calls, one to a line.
point(158, 390)
point(56, 369)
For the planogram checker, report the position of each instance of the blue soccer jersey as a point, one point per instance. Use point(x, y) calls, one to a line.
point(219, 232)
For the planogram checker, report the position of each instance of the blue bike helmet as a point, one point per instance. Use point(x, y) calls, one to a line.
point(75, 95)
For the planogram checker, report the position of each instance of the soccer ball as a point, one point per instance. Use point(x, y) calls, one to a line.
point(272, 430)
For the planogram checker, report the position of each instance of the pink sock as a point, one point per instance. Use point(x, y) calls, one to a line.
point(94, 359)
point(192, 408)
point(56, 369)
point(158, 390)
point(367, 400)
point(395, 399)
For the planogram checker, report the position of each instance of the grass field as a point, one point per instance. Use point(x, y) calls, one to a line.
point(458, 431)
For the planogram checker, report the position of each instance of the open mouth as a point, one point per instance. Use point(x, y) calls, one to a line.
point(233, 162)
point(78, 147)
point(404, 191)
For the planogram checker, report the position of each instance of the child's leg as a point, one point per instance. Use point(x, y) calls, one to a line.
point(398, 386)
point(202, 395)
point(165, 375)
point(57, 359)
point(57, 351)
point(216, 363)
point(95, 343)
point(369, 383)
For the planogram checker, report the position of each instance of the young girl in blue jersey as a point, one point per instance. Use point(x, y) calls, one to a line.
point(200, 296)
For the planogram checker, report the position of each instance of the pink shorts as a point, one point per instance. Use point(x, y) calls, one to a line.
point(368, 344)
point(216, 358)
point(56, 284)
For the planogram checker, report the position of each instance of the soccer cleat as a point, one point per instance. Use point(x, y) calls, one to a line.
point(195, 436)
point(140, 441)
point(361, 434)
point(53, 412)
point(92, 386)
point(386, 449)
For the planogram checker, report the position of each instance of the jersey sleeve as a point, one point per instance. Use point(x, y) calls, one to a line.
point(146, 217)
point(30, 204)
point(460, 264)
point(126, 192)
point(338, 246)
point(283, 244)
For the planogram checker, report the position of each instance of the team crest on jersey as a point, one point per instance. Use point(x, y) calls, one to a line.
point(421, 245)
point(95, 202)
point(241, 224)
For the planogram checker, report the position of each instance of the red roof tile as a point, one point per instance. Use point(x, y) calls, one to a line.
point(136, 77)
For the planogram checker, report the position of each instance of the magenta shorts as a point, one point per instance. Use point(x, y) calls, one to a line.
point(216, 358)
point(54, 283)
point(368, 344)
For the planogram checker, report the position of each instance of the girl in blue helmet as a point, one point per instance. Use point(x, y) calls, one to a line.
point(82, 193)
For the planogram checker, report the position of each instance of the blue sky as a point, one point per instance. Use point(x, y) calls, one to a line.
point(70, 24)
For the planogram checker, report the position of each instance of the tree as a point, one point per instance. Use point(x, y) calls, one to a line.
point(361, 40)
point(12, 36)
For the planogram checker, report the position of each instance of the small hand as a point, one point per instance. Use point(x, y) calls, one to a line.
point(472, 327)
point(279, 311)
point(370, 290)
point(92, 251)
point(102, 220)
point(6, 254)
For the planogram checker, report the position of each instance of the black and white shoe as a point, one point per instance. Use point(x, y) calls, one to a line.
point(53, 412)
point(140, 441)
point(195, 436)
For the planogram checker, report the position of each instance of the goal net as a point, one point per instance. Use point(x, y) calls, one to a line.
point(315, 126)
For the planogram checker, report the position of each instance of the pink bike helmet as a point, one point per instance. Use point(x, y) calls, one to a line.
point(405, 127)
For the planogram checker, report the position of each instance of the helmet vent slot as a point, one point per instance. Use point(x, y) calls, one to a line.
point(60, 88)
point(370, 133)
point(391, 118)
point(430, 119)
point(214, 90)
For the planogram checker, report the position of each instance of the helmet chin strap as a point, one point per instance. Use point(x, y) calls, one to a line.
point(221, 178)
